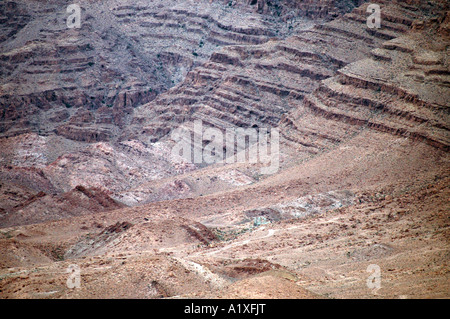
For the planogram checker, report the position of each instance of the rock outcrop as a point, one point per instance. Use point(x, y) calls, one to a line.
point(286, 83)
point(122, 56)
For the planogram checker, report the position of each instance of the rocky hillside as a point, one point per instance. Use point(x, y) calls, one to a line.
point(258, 85)
point(84, 83)
point(88, 175)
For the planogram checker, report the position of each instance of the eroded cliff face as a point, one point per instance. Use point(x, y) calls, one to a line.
point(123, 56)
point(390, 79)
point(88, 175)
point(400, 89)
point(134, 73)
point(310, 8)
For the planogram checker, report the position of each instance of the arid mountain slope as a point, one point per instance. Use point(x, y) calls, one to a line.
point(89, 179)
point(84, 82)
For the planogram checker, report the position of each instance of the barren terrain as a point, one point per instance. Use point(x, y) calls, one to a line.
point(88, 178)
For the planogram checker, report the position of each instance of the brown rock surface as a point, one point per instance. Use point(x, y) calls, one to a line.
point(88, 177)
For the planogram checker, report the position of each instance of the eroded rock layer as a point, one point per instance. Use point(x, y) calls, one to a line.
point(83, 83)
point(89, 177)
point(304, 83)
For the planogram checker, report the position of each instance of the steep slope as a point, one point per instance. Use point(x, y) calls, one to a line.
point(320, 87)
point(363, 115)
point(84, 82)
point(256, 86)
point(403, 89)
